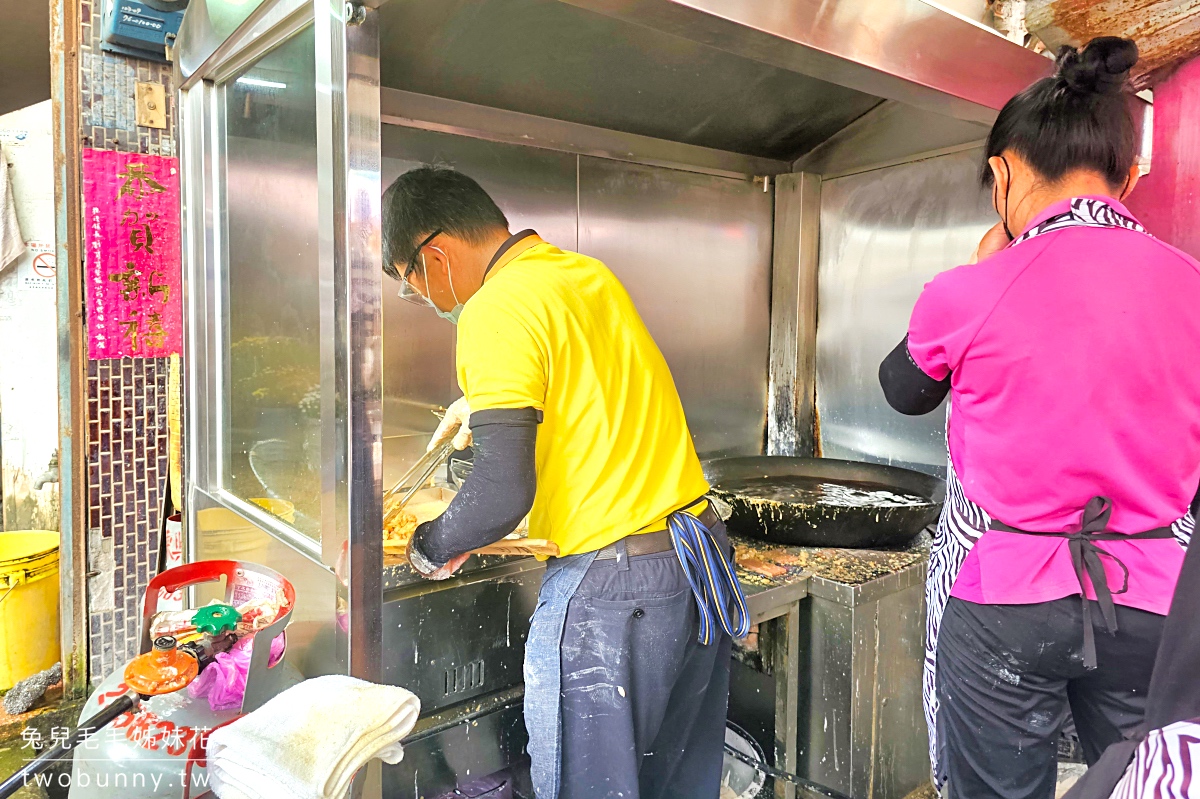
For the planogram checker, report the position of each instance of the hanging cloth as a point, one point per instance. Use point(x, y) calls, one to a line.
point(11, 242)
point(714, 582)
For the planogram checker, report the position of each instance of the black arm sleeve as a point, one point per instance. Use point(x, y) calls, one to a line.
point(907, 388)
point(495, 496)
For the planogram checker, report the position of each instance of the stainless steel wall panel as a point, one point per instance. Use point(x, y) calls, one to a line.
point(671, 236)
point(884, 234)
point(794, 315)
point(889, 133)
point(694, 251)
point(535, 189)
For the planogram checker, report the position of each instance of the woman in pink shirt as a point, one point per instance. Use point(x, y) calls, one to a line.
point(1068, 348)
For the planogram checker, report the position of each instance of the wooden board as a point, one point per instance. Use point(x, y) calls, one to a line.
point(512, 546)
point(428, 504)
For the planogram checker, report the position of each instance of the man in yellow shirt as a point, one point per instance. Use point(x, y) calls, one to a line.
point(575, 421)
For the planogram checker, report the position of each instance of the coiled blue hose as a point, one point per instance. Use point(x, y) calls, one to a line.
point(711, 576)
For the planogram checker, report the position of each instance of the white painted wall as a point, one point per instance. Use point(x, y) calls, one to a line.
point(28, 327)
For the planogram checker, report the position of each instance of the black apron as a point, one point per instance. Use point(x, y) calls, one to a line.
point(1086, 558)
point(1174, 689)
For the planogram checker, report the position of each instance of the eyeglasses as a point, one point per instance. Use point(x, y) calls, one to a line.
point(407, 292)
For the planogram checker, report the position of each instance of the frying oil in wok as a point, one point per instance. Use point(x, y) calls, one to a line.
point(820, 491)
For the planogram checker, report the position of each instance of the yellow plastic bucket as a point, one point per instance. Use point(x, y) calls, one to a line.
point(278, 507)
point(28, 604)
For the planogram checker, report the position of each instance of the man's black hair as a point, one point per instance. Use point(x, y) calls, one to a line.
point(1079, 118)
point(430, 198)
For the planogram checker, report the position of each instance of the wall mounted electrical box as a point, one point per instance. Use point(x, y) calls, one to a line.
point(137, 29)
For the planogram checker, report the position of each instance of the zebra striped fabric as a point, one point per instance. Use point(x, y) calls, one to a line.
point(1162, 765)
point(1083, 213)
point(960, 526)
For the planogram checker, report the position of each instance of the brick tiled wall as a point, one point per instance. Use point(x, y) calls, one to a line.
point(127, 399)
point(108, 106)
point(127, 467)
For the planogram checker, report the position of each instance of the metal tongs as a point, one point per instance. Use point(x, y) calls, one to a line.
point(425, 466)
point(423, 469)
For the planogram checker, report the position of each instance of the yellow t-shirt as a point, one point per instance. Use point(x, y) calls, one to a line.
point(557, 331)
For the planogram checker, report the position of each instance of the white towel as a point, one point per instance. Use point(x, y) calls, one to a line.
point(308, 742)
point(11, 243)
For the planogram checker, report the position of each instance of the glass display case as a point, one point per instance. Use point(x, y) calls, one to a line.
point(272, 383)
point(280, 156)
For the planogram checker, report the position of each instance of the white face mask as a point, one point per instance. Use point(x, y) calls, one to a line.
point(452, 315)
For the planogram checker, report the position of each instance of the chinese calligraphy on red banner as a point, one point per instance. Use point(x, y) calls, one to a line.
point(131, 207)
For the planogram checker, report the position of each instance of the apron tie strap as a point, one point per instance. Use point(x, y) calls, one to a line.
point(1086, 559)
point(711, 576)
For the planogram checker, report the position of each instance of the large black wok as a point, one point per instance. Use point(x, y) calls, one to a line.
point(824, 525)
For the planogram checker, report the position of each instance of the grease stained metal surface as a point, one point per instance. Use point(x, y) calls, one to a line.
point(770, 565)
point(857, 690)
point(1167, 32)
point(816, 491)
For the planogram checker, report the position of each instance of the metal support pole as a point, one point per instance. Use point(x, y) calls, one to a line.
point(785, 661)
point(792, 395)
point(72, 357)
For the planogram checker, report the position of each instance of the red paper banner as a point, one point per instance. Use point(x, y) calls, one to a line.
point(131, 214)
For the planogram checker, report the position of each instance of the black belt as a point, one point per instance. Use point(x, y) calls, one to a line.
point(653, 543)
point(1085, 557)
point(640, 544)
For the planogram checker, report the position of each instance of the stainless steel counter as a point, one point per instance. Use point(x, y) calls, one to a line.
point(843, 665)
point(772, 601)
point(775, 610)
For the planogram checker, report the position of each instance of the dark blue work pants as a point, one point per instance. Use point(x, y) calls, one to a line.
point(641, 702)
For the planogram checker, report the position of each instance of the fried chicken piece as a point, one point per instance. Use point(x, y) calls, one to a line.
point(399, 529)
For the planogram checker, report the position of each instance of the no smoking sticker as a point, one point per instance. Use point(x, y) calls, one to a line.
point(44, 265)
point(43, 268)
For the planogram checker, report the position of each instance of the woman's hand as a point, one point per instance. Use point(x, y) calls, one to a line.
point(992, 242)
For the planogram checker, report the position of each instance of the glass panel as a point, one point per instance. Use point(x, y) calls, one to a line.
point(272, 390)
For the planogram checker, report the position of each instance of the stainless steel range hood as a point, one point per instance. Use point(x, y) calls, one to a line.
point(539, 57)
point(768, 78)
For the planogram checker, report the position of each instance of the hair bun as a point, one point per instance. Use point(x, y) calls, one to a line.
point(1102, 67)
